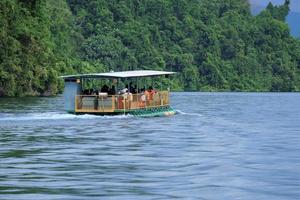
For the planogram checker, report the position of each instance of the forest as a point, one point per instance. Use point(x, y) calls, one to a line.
point(214, 45)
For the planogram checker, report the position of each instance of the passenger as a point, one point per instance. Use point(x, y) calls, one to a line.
point(127, 98)
point(95, 92)
point(147, 95)
point(85, 92)
point(121, 98)
point(125, 93)
point(151, 93)
point(142, 99)
point(112, 91)
point(105, 88)
point(130, 99)
point(135, 89)
point(131, 88)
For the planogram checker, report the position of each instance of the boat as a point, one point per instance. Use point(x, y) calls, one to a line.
point(118, 93)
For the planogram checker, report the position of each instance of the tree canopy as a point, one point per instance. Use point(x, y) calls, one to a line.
point(215, 45)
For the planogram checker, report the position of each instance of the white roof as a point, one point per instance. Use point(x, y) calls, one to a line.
point(124, 74)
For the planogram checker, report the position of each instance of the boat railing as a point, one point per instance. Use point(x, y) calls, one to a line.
point(104, 103)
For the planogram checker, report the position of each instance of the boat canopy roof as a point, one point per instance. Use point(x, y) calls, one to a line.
point(123, 74)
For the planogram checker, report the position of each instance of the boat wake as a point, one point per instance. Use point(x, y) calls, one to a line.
point(54, 116)
point(191, 114)
point(11, 117)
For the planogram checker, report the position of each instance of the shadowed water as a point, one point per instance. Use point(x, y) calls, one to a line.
point(219, 146)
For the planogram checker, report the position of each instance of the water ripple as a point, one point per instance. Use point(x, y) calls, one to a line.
point(219, 146)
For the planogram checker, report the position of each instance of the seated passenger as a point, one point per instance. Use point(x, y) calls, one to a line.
point(85, 92)
point(132, 89)
point(142, 99)
point(96, 92)
point(151, 93)
point(112, 91)
point(123, 91)
point(105, 88)
point(147, 95)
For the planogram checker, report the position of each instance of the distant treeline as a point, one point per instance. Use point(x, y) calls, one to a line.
point(215, 45)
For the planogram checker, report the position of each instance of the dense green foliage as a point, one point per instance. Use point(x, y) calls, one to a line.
point(214, 44)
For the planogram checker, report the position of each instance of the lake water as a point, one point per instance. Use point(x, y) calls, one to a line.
point(219, 146)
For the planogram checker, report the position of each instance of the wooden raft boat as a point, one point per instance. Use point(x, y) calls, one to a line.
point(115, 93)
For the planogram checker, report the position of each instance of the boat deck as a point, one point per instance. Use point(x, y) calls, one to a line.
point(110, 104)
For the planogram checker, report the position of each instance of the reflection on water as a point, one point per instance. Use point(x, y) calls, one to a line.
point(219, 146)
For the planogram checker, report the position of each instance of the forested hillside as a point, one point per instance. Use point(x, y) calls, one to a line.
point(213, 44)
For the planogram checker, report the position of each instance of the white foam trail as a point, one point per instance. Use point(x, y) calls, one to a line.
point(191, 114)
point(56, 116)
